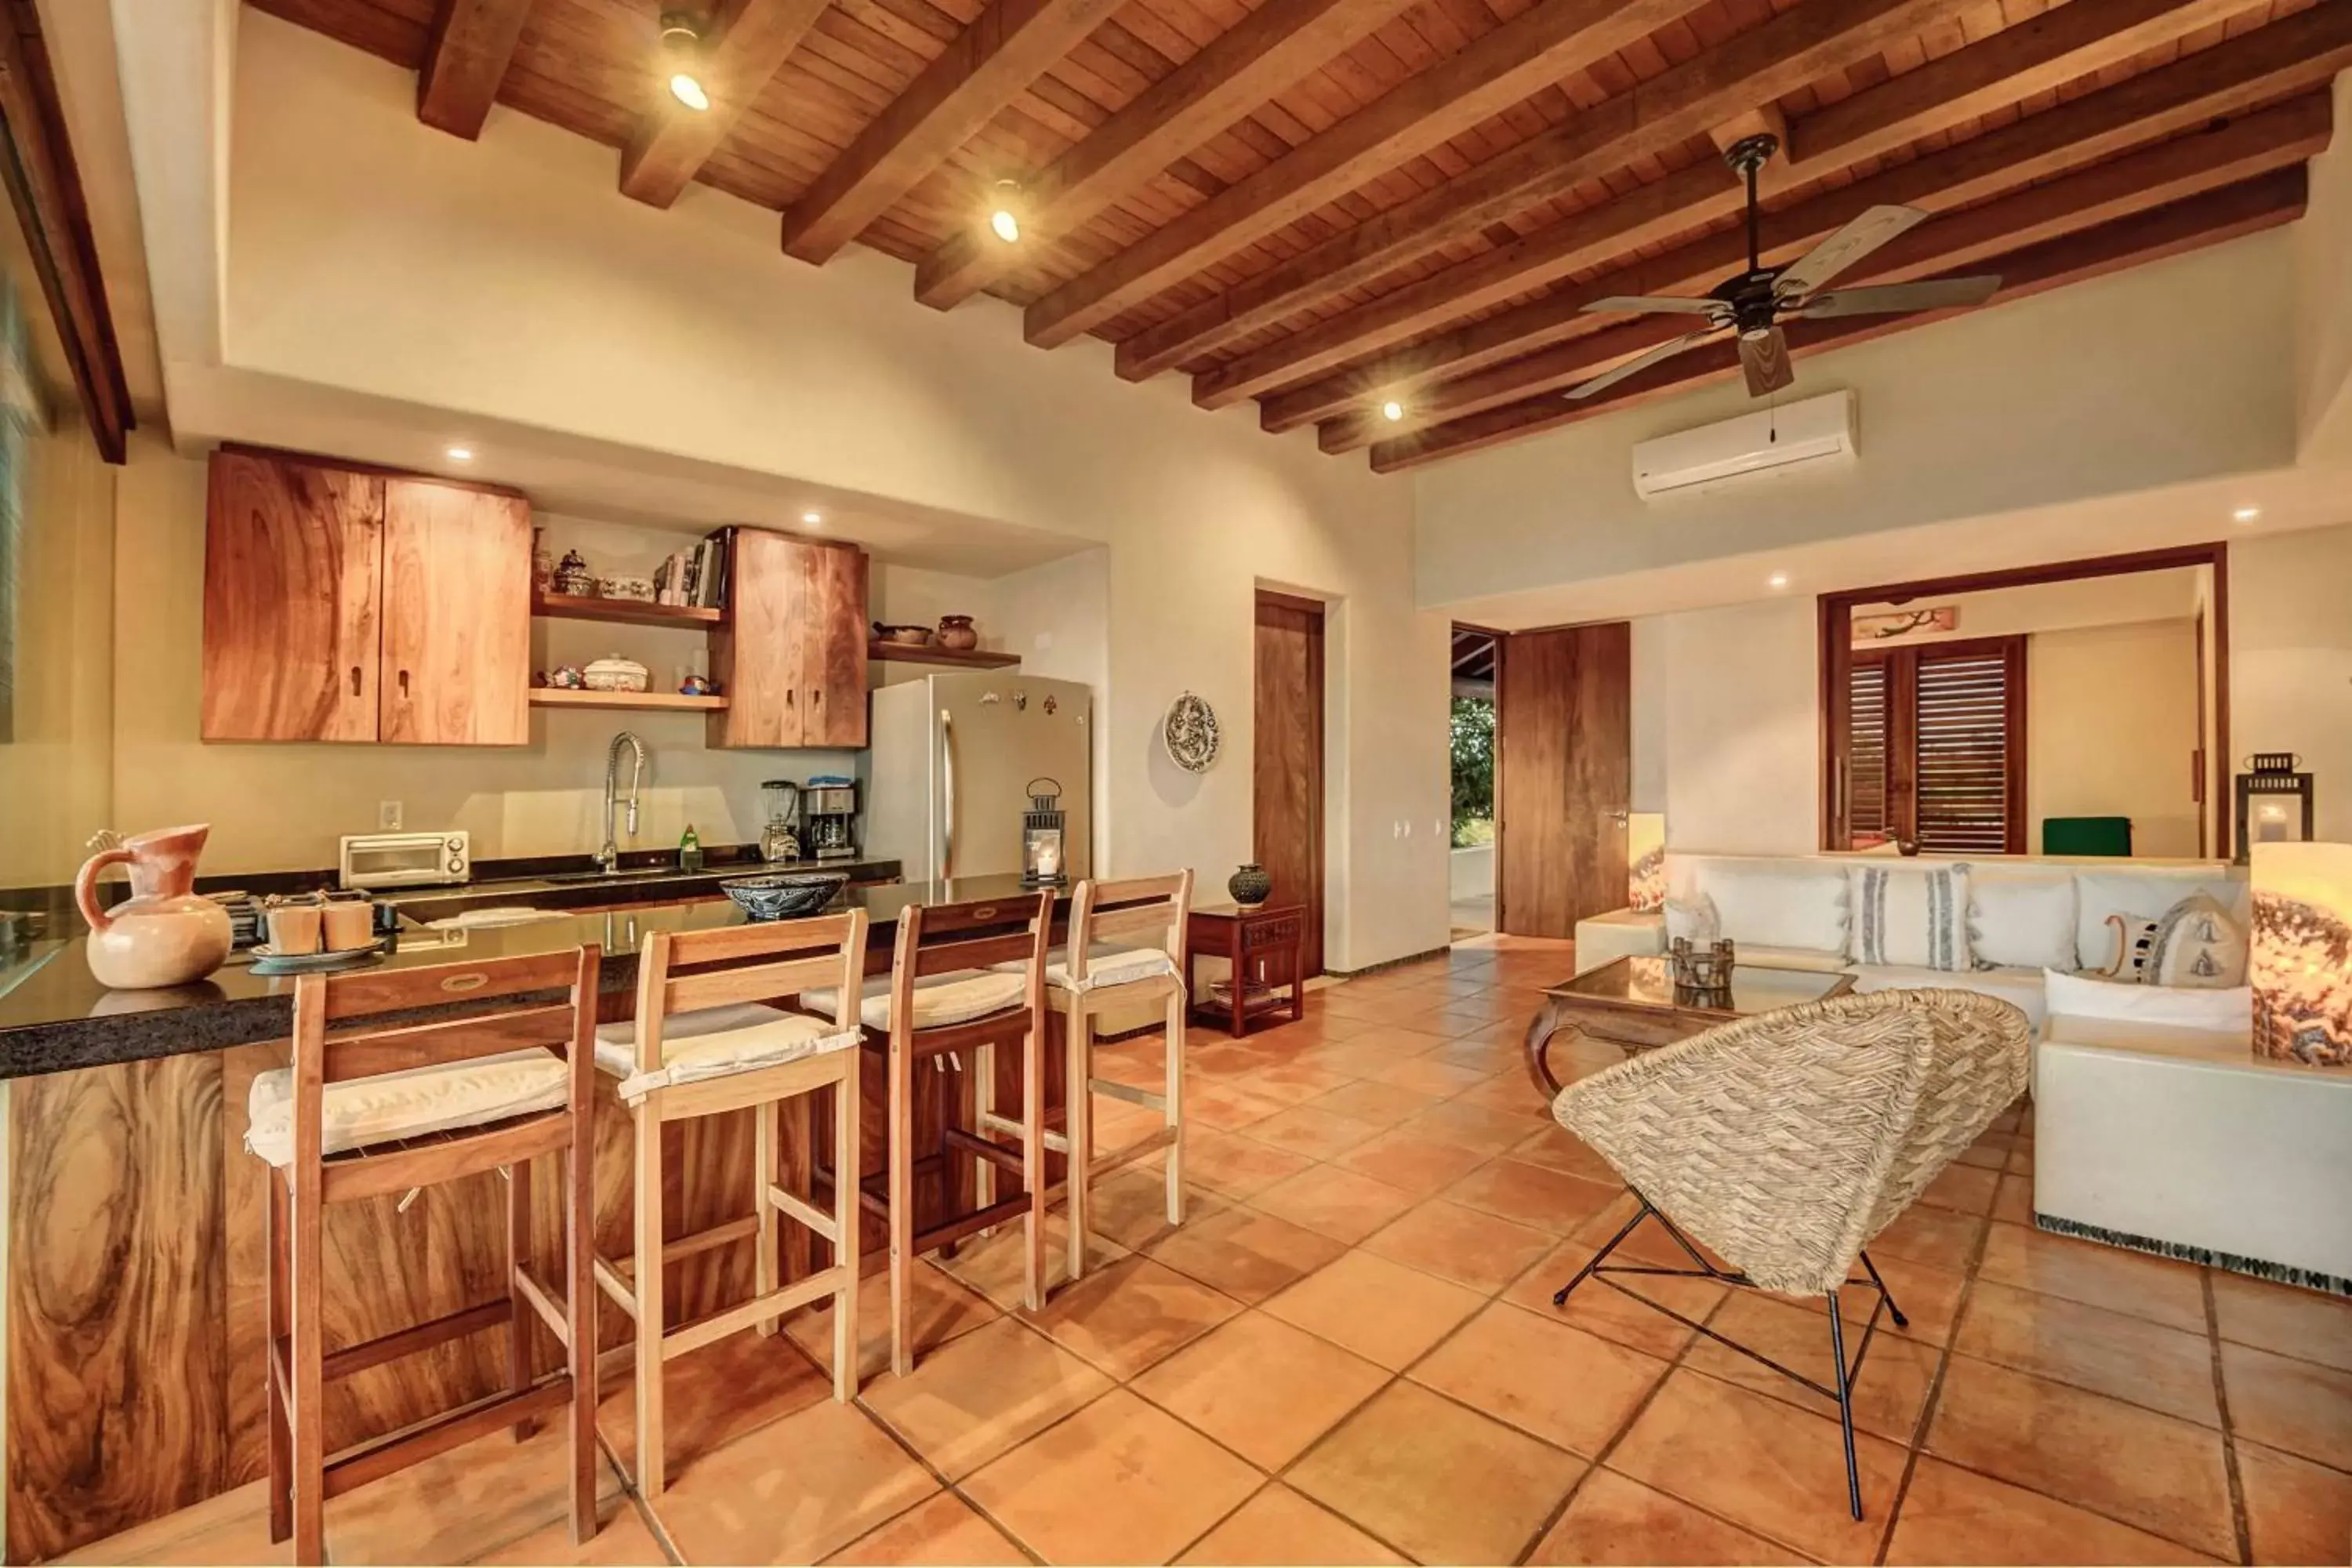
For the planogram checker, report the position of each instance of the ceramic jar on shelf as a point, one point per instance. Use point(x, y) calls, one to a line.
point(957, 633)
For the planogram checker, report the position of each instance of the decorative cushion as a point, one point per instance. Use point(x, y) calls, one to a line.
point(1694, 920)
point(940, 999)
point(1776, 905)
point(1910, 916)
point(2197, 945)
point(2142, 894)
point(712, 1042)
point(361, 1111)
point(2212, 1010)
point(2129, 939)
point(2022, 923)
point(1105, 965)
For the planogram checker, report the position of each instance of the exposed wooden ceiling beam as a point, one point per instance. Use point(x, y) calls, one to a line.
point(2293, 55)
point(672, 141)
point(2156, 177)
point(1239, 70)
point(1650, 214)
point(45, 186)
point(986, 67)
point(2037, 55)
point(1532, 51)
point(1792, 50)
point(2242, 209)
point(472, 42)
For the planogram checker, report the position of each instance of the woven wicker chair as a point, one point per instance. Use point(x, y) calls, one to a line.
point(1784, 1143)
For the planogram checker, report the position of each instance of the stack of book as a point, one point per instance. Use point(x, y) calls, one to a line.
point(697, 577)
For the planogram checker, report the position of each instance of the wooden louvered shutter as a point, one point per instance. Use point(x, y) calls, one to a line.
point(1869, 818)
point(1970, 735)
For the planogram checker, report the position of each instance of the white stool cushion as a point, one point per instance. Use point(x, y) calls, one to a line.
point(1105, 965)
point(361, 1111)
point(712, 1042)
point(954, 997)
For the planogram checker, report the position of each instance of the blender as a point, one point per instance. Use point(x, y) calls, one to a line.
point(780, 839)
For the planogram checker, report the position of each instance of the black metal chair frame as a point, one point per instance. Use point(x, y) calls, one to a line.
point(1843, 1390)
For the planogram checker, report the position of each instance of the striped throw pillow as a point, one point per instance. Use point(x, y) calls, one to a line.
point(1911, 917)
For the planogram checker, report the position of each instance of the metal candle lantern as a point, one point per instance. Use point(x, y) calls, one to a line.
point(1702, 976)
point(2273, 774)
point(1041, 836)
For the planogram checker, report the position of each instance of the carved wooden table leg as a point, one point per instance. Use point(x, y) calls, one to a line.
point(1541, 1030)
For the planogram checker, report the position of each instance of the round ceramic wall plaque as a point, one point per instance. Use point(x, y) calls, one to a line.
point(1191, 733)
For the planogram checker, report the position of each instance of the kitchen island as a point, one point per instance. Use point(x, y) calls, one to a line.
point(135, 1311)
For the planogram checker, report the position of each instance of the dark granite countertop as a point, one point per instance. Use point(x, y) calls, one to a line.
point(55, 1016)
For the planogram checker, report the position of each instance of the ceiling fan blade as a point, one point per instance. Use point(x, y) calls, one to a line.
point(1932, 294)
point(1840, 250)
point(1662, 303)
point(1638, 363)
point(1765, 358)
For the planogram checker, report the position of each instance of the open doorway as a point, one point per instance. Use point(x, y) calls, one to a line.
point(2075, 708)
point(1470, 741)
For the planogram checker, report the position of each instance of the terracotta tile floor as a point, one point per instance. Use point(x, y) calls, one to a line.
point(1349, 1354)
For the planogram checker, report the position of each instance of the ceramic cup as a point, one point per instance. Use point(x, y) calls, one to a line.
point(294, 928)
point(348, 924)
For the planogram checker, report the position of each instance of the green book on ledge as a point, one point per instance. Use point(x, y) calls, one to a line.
point(2086, 835)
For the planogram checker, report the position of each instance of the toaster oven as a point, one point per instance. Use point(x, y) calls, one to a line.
point(404, 859)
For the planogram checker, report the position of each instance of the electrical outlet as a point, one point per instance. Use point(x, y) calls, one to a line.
point(387, 816)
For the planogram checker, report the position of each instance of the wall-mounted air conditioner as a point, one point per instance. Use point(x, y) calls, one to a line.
point(1817, 431)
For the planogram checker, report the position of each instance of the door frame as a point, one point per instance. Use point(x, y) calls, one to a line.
point(1834, 631)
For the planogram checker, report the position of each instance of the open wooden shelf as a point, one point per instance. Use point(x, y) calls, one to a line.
point(565, 696)
point(626, 612)
point(931, 653)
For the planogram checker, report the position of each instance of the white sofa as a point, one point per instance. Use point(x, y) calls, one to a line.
point(2173, 1140)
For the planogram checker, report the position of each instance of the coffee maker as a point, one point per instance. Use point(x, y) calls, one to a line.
point(829, 809)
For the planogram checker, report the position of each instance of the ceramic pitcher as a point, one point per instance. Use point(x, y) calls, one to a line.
point(163, 934)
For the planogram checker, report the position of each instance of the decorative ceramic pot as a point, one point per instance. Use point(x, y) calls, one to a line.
point(956, 632)
point(613, 673)
point(573, 576)
point(1249, 885)
point(640, 589)
point(163, 934)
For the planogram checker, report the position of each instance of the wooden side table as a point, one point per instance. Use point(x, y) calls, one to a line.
point(1262, 946)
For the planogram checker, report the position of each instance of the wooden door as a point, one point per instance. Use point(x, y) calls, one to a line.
point(291, 558)
point(1286, 832)
point(456, 616)
point(756, 651)
point(1563, 780)
point(832, 648)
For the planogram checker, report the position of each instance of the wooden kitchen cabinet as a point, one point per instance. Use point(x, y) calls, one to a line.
point(292, 565)
point(456, 616)
point(790, 654)
point(346, 603)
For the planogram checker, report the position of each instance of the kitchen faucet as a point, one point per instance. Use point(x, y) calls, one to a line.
point(608, 858)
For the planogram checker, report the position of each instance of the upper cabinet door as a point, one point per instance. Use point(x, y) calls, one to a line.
point(758, 652)
point(456, 616)
point(290, 596)
point(834, 649)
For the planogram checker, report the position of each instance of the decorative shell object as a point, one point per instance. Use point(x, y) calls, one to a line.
point(1190, 733)
point(613, 673)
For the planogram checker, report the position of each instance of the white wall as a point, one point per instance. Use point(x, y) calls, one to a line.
point(1742, 723)
point(2291, 660)
point(2111, 730)
point(2113, 601)
point(508, 282)
point(2323, 300)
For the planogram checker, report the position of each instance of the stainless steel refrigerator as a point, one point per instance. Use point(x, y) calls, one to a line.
point(952, 762)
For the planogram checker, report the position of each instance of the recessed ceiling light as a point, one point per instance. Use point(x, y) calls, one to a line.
point(688, 91)
point(1004, 211)
point(1779, 579)
point(1392, 411)
point(2246, 513)
point(461, 454)
point(681, 59)
point(811, 516)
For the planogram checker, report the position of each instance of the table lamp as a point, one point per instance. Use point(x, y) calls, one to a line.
point(2301, 970)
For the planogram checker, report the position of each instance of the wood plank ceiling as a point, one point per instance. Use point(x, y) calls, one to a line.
point(1330, 205)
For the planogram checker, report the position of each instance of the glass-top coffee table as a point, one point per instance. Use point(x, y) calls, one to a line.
point(1630, 1003)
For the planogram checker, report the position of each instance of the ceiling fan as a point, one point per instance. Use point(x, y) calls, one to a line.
point(1757, 302)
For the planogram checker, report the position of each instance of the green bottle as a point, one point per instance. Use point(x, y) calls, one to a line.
point(689, 851)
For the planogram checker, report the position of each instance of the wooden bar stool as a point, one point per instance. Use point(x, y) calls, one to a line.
point(374, 1112)
point(702, 1044)
point(945, 993)
point(1126, 946)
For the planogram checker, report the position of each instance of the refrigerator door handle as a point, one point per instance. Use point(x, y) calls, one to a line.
point(946, 769)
